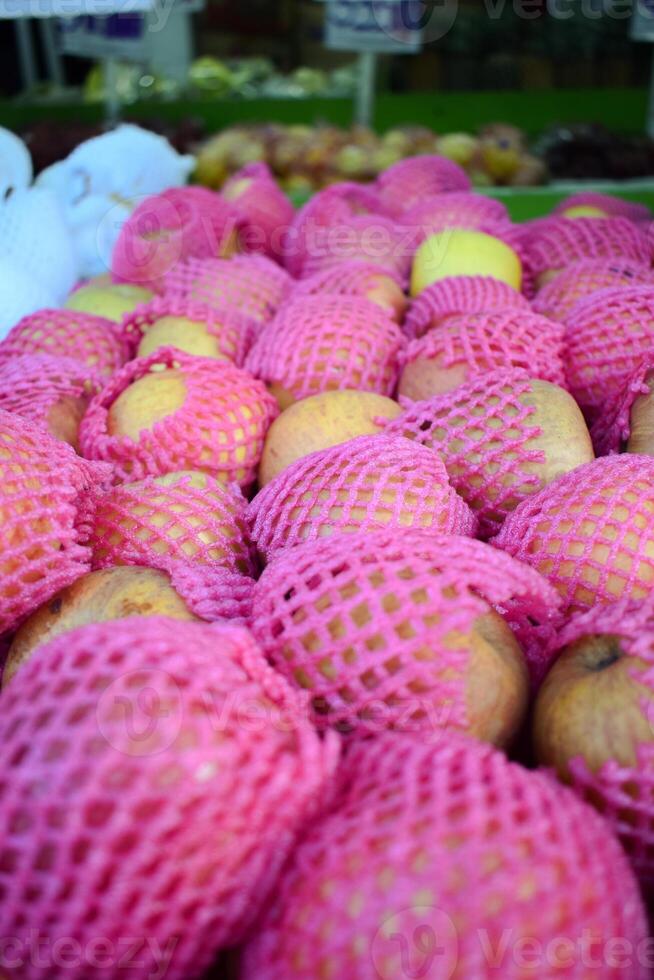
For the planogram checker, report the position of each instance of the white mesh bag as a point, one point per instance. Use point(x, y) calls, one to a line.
point(20, 294)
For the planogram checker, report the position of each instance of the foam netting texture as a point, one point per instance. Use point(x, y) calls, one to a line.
point(267, 210)
point(623, 793)
point(251, 285)
point(172, 831)
point(167, 228)
point(611, 429)
point(366, 483)
point(321, 343)
point(408, 182)
point(482, 431)
point(331, 206)
point(374, 624)
point(556, 242)
point(363, 237)
point(616, 206)
point(454, 210)
point(42, 484)
point(232, 331)
point(138, 523)
point(432, 856)
point(93, 340)
point(460, 294)
point(34, 384)
point(482, 342)
point(558, 298)
point(607, 336)
point(353, 278)
point(220, 428)
point(590, 532)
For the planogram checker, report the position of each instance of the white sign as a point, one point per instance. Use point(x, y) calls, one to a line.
point(385, 26)
point(642, 21)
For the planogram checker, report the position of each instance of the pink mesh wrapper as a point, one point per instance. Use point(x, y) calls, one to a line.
point(42, 486)
point(251, 285)
point(267, 210)
point(408, 182)
point(474, 344)
point(232, 331)
point(219, 429)
point(138, 523)
point(460, 294)
point(607, 336)
point(94, 341)
point(167, 228)
point(454, 210)
point(612, 428)
point(322, 343)
point(590, 532)
point(121, 795)
point(432, 857)
point(483, 431)
point(577, 281)
point(615, 206)
point(556, 242)
point(369, 482)
point(332, 206)
point(364, 238)
point(35, 385)
point(376, 624)
point(354, 278)
point(623, 793)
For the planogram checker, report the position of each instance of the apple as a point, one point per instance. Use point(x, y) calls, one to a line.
point(185, 515)
point(319, 422)
point(461, 148)
point(111, 593)
point(111, 301)
point(383, 290)
point(145, 402)
point(462, 252)
point(236, 187)
point(584, 211)
point(641, 420)
point(184, 334)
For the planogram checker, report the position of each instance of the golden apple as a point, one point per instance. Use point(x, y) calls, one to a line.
point(641, 421)
point(459, 147)
point(461, 252)
point(112, 593)
point(236, 187)
point(64, 418)
point(110, 300)
point(584, 211)
point(187, 335)
point(385, 292)
point(497, 685)
point(319, 422)
point(145, 402)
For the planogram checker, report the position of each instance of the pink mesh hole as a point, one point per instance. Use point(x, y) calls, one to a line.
point(233, 332)
point(118, 721)
point(460, 294)
point(66, 333)
point(408, 182)
point(366, 483)
point(267, 210)
point(249, 284)
point(590, 532)
point(431, 857)
point(577, 281)
point(345, 279)
point(365, 238)
point(219, 429)
point(556, 242)
point(322, 343)
point(376, 625)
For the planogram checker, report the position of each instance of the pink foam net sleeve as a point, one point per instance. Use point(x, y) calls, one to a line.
point(371, 623)
point(220, 427)
point(267, 210)
point(168, 816)
point(232, 331)
point(556, 242)
point(607, 336)
point(251, 285)
point(456, 295)
point(615, 206)
point(407, 182)
point(590, 532)
point(612, 428)
point(32, 385)
point(322, 343)
point(366, 483)
point(93, 340)
point(363, 237)
point(431, 857)
point(579, 279)
point(42, 485)
point(458, 209)
point(345, 279)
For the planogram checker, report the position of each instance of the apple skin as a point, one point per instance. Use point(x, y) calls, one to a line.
point(145, 402)
point(111, 301)
point(497, 684)
point(321, 421)
point(385, 292)
point(461, 252)
point(64, 419)
point(111, 593)
point(584, 211)
point(187, 335)
point(641, 434)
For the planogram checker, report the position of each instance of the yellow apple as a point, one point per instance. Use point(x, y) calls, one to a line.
point(584, 211)
point(145, 402)
point(319, 422)
point(385, 292)
point(641, 421)
point(64, 418)
point(187, 335)
point(112, 593)
point(111, 301)
point(461, 252)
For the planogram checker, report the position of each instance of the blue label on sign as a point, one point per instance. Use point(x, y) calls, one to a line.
point(374, 25)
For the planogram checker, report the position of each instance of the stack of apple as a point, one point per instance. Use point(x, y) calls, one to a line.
point(312, 585)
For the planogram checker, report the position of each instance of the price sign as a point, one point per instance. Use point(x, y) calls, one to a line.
point(642, 21)
point(383, 26)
